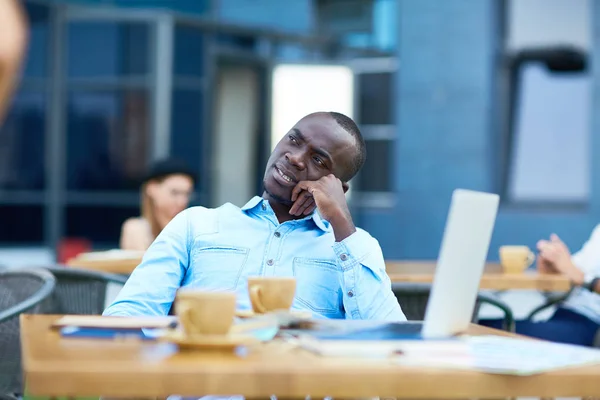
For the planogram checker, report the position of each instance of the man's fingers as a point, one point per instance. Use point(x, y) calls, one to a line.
point(296, 192)
point(306, 205)
point(311, 207)
point(301, 199)
point(303, 185)
point(549, 253)
point(542, 245)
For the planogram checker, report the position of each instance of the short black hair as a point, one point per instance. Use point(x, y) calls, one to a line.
point(361, 149)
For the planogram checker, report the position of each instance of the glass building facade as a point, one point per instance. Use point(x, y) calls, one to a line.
point(111, 85)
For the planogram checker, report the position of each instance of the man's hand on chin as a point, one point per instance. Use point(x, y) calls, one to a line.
point(328, 194)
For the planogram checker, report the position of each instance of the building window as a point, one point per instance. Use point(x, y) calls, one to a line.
point(315, 88)
point(108, 125)
point(100, 224)
point(188, 101)
point(360, 23)
point(187, 128)
point(21, 224)
point(547, 139)
point(108, 105)
point(108, 139)
point(108, 49)
point(375, 103)
point(23, 141)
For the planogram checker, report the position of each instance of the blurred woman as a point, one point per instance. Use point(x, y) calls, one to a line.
point(165, 192)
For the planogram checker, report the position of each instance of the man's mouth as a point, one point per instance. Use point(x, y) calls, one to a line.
point(284, 176)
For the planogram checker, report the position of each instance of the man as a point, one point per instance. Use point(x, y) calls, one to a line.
point(339, 269)
point(13, 38)
point(577, 320)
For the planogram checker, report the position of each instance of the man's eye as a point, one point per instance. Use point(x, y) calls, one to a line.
point(319, 161)
point(293, 139)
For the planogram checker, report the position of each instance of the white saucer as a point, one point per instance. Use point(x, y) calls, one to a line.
point(207, 342)
point(292, 314)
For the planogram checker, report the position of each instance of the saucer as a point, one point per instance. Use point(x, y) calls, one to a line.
point(292, 314)
point(207, 342)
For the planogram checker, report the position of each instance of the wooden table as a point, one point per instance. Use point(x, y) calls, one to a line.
point(84, 367)
point(399, 271)
point(114, 266)
point(493, 277)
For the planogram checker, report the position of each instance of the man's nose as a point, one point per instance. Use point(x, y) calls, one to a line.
point(296, 159)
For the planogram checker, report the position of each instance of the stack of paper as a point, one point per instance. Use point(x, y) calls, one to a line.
point(503, 355)
point(87, 326)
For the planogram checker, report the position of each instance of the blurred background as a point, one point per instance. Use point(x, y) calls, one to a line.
point(492, 95)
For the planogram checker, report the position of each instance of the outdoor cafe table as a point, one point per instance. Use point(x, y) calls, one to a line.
point(399, 271)
point(122, 266)
point(493, 278)
point(126, 369)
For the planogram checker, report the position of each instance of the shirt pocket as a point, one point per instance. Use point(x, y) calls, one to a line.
point(317, 286)
point(218, 267)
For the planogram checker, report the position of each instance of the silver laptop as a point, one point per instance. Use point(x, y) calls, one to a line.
point(460, 265)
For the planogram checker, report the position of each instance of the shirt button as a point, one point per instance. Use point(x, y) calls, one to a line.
point(270, 262)
point(264, 206)
point(343, 257)
point(351, 294)
point(277, 234)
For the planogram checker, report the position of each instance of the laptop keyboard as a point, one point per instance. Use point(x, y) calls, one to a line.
point(391, 331)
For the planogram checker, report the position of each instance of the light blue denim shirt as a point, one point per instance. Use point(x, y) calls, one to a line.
point(218, 249)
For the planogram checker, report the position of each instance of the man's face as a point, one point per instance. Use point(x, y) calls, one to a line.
point(315, 147)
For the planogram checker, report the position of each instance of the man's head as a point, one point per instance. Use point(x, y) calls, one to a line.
point(319, 144)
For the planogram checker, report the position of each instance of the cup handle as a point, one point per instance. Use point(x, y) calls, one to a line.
point(255, 299)
point(184, 315)
point(530, 258)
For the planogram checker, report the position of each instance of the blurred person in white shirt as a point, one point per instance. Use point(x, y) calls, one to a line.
point(577, 319)
point(583, 270)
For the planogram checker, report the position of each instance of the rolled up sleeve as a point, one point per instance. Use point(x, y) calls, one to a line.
point(588, 258)
point(367, 287)
point(151, 288)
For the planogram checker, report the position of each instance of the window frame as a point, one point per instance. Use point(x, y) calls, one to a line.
point(511, 67)
point(372, 132)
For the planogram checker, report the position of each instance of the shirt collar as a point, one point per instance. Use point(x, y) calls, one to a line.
point(257, 201)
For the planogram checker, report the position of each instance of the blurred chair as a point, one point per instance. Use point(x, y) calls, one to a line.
point(20, 290)
point(413, 298)
point(556, 301)
point(551, 301)
point(79, 291)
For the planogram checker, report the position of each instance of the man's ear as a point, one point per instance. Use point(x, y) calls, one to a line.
point(345, 186)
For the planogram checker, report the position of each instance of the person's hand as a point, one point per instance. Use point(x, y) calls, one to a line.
point(304, 202)
point(557, 256)
point(328, 195)
point(545, 266)
point(555, 251)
